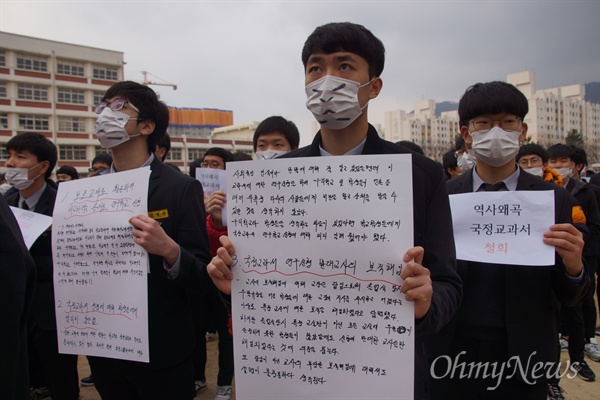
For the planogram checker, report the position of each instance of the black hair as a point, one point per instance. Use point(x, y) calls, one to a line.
point(165, 143)
point(104, 158)
point(560, 150)
point(532, 148)
point(459, 143)
point(68, 170)
point(449, 161)
point(346, 36)
point(278, 124)
point(193, 165)
point(145, 100)
point(491, 98)
point(579, 157)
point(219, 152)
point(411, 146)
point(241, 156)
point(36, 144)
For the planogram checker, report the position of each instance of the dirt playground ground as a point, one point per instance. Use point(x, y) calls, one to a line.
point(575, 388)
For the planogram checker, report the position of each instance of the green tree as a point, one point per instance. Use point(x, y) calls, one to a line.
point(575, 138)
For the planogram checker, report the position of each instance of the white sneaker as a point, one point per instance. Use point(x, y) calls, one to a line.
point(592, 350)
point(223, 393)
point(564, 344)
point(201, 386)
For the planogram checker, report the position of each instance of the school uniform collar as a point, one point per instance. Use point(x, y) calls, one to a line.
point(510, 181)
point(33, 199)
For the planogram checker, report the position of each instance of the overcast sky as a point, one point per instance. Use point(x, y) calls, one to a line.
point(244, 56)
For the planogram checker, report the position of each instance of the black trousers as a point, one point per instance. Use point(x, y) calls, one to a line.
point(57, 371)
point(129, 380)
point(208, 310)
point(451, 376)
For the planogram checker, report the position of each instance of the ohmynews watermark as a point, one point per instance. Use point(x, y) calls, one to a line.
point(529, 373)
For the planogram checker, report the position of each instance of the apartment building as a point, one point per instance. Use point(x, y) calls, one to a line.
point(553, 114)
point(52, 87)
point(435, 134)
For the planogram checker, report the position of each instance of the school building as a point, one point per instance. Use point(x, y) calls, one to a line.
point(52, 87)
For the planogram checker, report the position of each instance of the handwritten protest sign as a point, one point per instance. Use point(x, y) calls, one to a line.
point(212, 180)
point(100, 280)
point(32, 224)
point(504, 227)
point(317, 307)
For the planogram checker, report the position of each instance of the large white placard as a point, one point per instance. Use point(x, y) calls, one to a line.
point(317, 307)
point(504, 227)
point(100, 280)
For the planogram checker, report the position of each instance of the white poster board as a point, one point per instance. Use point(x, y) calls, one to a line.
point(32, 224)
point(317, 309)
point(504, 227)
point(213, 180)
point(100, 280)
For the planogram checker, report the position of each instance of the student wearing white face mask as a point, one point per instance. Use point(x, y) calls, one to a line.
point(275, 136)
point(31, 159)
point(508, 311)
point(533, 158)
point(343, 63)
point(581, 340)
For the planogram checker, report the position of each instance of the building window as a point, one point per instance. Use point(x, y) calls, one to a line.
point(32, 92)
point(3, 120)
point(2, 58)
point(194, 154)
point(100, 150)
point(72, 153)
point(69, 68)
point(3, 93)
point(71, 124)
point(105, 72)
point(32, 63)
point(33, 122)
point(98, 96)
point(174, 155)
point(72, 96)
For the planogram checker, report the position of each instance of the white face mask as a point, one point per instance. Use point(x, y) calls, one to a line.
point(19, 177)
point(566, 173)
point(537, 171)
point(466, 161)
point(495, 147)
point(333, 101)
point(110, 128)
point(269, 154)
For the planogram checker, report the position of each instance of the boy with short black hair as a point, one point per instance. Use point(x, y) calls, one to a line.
point(31, 159)
point(508, 311)
point(275, 136)
point(131, 121)
point(343, 63)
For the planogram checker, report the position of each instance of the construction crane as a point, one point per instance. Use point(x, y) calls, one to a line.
point(147, 82)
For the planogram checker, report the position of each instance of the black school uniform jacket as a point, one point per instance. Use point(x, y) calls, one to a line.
point(531, 293)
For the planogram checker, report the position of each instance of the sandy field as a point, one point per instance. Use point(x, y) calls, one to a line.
point(575, 388)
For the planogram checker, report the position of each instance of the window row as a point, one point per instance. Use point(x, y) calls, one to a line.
point(40, 93)
point(37, 63)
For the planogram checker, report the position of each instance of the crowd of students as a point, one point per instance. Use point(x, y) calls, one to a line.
point(484, 312)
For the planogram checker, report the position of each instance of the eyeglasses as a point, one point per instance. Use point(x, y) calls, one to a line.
point(114, 105)
point(531, 162)
point(486, 124)
point(93, 170)
point(210, 164)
